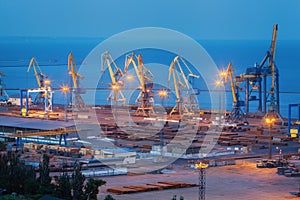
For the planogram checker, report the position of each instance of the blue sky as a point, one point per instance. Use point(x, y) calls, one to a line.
point(200, 19)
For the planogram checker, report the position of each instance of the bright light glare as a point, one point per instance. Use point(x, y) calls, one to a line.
point(65, 89)
point(270, 120)
point(47, 82)
point(162, 93)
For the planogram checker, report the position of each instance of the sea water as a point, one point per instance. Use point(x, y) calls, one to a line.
point(52, 54)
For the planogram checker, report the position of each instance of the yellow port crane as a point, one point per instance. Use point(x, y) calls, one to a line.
point(272, 56)
point(73, 71)
point(145, 77)
point(44, 91)
point(190, 105)
point(256, 81)
point(237, 114)
point(41, 78)
point(271, 69)
point(116, 95)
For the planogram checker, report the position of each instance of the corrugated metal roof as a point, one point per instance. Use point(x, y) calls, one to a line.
point(29, 123)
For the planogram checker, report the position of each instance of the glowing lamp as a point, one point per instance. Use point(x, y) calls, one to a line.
point(270, 120)
point(65, 89)
point(47, 82)
point(201, 165)
point(218, 83)
point(129, 77)
point(223, 74)
point(162, 93)
point(115, 87)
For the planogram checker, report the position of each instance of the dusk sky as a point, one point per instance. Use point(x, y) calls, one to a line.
point(200, 19)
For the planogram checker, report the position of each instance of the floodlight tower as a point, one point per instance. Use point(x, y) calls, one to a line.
point(202, 179)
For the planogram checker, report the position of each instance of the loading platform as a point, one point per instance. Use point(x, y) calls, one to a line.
point(18, 128)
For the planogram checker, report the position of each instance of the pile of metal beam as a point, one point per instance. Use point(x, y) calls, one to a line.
point(150, 187)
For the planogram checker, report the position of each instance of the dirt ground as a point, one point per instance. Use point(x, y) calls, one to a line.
point(242, 181)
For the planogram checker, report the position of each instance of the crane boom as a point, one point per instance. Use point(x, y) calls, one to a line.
point(176, 76)
point(273, 44)
point(115, 73)
point(129, 60)
point(141, 73)
point(272, 55)
point(172, 72)
point(106, 59)
point(73, 70)
point(232, 82)
point(146, 83)
point(38, 74)
point(44, 90)
point(237, 114)
point(140, 70)
point(176, 72)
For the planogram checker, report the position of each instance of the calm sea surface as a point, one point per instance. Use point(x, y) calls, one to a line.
point(52, 53)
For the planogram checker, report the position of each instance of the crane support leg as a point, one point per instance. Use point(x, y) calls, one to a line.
point(24, 93)
point(277, 93)
point(290, 118)
point(265, 95)
point(259, 95)
point(63, 136)
point(247, 96)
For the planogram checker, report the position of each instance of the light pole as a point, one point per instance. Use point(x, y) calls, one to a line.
point(65, 90)
point(269, 121)
point(224, 80)
point(202, 179)
point(71, 96)
point(219, 84)
point(162, 94)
